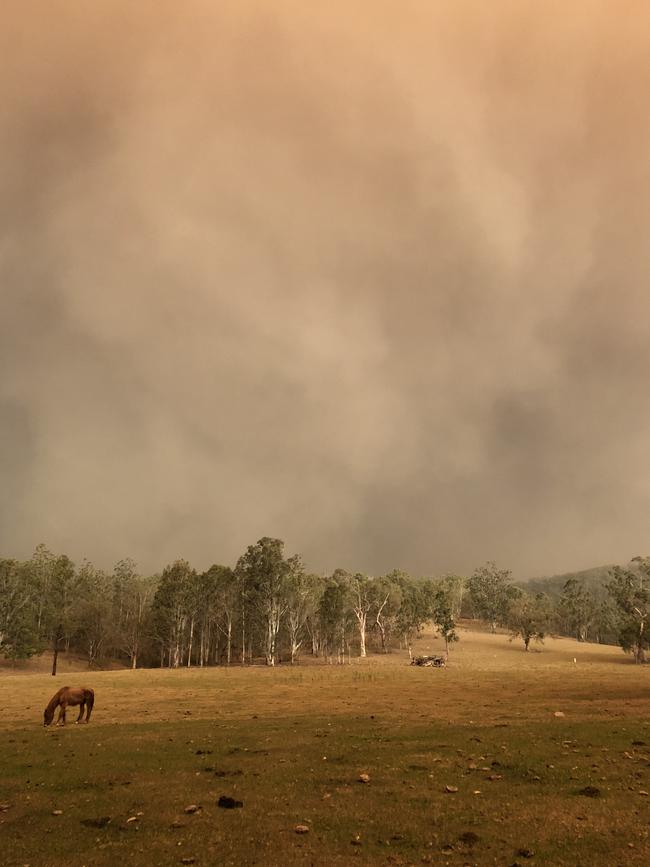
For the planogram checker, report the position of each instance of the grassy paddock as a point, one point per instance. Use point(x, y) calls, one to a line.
point(291, 744)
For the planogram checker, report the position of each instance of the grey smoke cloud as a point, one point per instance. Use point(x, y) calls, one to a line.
point(373, 280)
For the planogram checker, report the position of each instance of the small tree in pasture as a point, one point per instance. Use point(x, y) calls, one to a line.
point(530, 618)
point(442, 611)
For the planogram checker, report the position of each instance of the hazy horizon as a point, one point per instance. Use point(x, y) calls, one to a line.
point(371, 279)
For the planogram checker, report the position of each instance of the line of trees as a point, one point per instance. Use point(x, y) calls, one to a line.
point(268, 607)
point(615, 611)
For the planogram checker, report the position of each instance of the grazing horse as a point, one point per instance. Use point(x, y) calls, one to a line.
point(69, 695)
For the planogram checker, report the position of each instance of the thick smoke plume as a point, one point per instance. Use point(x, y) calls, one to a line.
point(371, 277)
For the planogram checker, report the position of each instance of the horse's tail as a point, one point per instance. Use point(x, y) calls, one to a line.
point(90, 699)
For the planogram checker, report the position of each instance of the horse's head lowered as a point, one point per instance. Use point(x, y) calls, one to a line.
point(48, 716)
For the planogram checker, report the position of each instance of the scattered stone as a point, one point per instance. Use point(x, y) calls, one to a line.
point(301, 829)
point(525, 853)
point(96, 823)
point(364, 778)
point(558, 713)
point(477, 792)
point(192, 808)
point(642, 792)
point(188, 860)
point(57, 812)
point(228, 803)
point(4, 807)
point(175, 825)
point(132, 819)
point(203, 752)
point(494, 777)
point(469, 838)
point(356, 841)
point(451, 789)
point(590, 792)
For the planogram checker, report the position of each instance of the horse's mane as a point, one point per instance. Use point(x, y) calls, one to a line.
point(54, 701)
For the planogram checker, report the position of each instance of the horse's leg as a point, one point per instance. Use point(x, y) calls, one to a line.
point(64, 707)
point(89, 708)
point(82, 708)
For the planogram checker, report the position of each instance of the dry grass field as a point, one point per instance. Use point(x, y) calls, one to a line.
point(465, 765)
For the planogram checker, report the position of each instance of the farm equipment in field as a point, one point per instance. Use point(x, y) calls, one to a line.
point(430, 661)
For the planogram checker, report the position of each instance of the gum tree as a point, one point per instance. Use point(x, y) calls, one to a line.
point(629, 590)
point(491, 593)
point(530, 618)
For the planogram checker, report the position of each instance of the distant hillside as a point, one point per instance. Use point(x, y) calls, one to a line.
point(594, 579)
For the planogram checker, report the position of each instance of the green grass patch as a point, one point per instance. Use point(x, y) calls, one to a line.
point(517, 789)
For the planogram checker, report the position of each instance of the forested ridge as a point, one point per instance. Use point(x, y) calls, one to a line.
point(268, 607)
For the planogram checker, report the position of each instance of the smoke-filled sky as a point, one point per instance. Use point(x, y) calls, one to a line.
point(370, 276)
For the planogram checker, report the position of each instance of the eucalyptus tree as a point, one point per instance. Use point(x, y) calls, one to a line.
point(125, 572)
point(388, 599)
point(137, 596)
point(313, 622)
point(59, 615)
point(455, 587)
point(18, 630)
point(577, 609)
point(630, 590)
point(41, 568)
point(415, 610)
point(491, 593)
point(220, 607)
point(170, 611)
point(266, 573)
point(302, 601)
point(363, 600)
point(96, 624)
point(530, 618)
point(442, 614)
point(335, 615)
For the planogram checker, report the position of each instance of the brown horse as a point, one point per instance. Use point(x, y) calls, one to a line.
point(69, 695)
